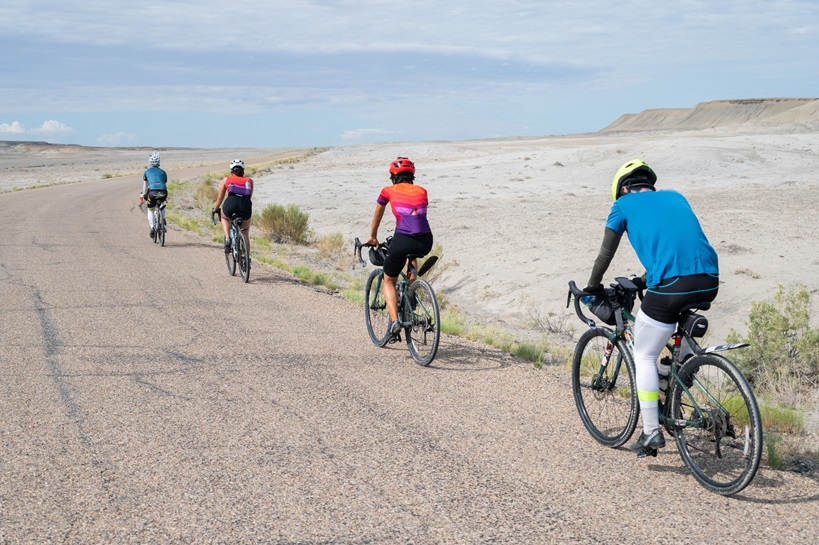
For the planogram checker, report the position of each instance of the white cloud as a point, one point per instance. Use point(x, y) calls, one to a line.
point(48, 127)
point(14, 127)
point(355, 134)
point(53, 127)
point(117, 139)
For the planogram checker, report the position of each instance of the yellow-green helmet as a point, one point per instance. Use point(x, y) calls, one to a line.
point(635, 172)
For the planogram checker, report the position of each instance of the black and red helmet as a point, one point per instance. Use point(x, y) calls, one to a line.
point(402, 164)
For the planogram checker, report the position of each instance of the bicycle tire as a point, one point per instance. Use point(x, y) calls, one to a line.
point(243, 252)
point(155, 235)
point(607, 404)
point(424, 333)
point(230, 260)
point(161, 229)
point(375, 309)
point(721, 463)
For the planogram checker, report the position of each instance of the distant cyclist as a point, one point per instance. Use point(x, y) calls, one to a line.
point(412, 232)
point(154, 189)
point(681, 269)
point(234, 197)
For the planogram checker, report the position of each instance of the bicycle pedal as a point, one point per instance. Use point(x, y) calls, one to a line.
point(395, 339)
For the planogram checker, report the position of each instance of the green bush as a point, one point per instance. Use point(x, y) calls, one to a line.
point(784, 351)
point(283, 224)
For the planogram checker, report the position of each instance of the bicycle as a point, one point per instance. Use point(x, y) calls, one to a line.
point(708, 406)
point(239, 247)
point(418, 311)
point(160, 225)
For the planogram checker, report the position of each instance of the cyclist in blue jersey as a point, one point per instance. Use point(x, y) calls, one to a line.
point(681, 269)
point(154, 189)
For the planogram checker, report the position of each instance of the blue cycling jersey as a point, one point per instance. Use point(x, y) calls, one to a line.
point(157, 179)
point(665, 234)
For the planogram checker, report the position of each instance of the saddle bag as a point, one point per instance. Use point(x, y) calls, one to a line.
point(694, 324)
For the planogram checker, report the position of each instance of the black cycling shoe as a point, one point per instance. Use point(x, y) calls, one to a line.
point(647, 445)
point(395, 332)
point(227, 245)
point(152, 233)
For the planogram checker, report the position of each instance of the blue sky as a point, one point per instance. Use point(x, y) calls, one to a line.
point(270, 73)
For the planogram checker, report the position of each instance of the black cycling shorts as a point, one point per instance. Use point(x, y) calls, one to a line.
point(403, 245)
point(241, 206)
point(155, 196)
point(664, 302)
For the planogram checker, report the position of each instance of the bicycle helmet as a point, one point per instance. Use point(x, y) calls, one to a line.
point(237, 163)
point(402, 164)
point(153, 160)
point(634, 173)
point(378, 256)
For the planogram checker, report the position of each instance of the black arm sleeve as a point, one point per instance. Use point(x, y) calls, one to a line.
point(611, 240)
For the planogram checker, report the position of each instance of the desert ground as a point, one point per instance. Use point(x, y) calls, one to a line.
point(142, 404)
point(517, 218)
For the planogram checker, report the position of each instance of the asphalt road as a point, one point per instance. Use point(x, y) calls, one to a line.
point(147, 397)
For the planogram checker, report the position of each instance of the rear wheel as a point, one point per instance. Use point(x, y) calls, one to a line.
point(375, 309)
point(423, 313)
point(722, 442)
point(243, 252)
point(161, 229)
point(230, 261)
point(604, 387)
point(155, 231)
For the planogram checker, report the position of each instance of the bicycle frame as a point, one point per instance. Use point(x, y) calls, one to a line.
point(684, 346)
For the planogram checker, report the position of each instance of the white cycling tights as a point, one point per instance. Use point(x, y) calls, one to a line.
point(650, 337)
point(151, 217)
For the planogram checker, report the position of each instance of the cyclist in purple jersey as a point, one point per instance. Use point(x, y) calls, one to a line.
point(413, 235)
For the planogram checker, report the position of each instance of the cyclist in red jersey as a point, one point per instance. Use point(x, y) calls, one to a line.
point(412, 232)
point(234, 196)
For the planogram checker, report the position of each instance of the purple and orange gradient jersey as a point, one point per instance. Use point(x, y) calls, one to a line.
point(409, 205)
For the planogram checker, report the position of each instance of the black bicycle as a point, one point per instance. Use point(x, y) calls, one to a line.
point(418, 311)
point(239, 247)
point(708, 405)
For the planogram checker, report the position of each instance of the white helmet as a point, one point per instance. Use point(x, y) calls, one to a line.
point(237, 163)
point(153, 160)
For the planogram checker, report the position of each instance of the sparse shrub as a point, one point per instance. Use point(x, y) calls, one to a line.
point(773, 452)
point(107, 175)
point(783, 355)
point(330, 244)
point(283, 224)
point(205, 194)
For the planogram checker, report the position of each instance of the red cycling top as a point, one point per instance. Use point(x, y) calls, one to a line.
point(409, 205)
point(238, 185)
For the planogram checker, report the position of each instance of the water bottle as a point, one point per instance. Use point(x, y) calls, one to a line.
point(587, 300)
point(663, 370)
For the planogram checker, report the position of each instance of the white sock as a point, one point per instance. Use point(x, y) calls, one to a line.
point(151, 219)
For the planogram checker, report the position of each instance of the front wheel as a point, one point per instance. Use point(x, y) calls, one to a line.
point(424, 333)
point(243, 253)
point(604, 386)
point(375, 309)
point(721, 441)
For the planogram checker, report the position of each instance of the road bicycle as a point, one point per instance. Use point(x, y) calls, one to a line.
point(160, 225)
point(418, 311)
point(708, 406)
point(239, 253)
